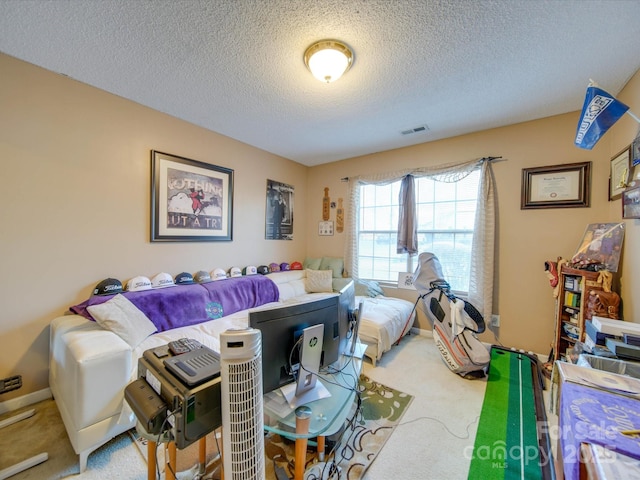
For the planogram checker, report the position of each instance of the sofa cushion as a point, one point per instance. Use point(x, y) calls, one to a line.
point(124, 319)
point(290, 283)
point(311, 263)
point(319, 281)
point(369, 288)
point(335, 264)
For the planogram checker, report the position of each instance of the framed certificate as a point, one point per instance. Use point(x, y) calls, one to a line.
point(619, 173)
point(558, 186)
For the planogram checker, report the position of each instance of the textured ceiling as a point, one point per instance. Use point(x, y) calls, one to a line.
point(236, 66)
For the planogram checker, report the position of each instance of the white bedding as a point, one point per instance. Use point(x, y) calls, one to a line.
point(382, 323)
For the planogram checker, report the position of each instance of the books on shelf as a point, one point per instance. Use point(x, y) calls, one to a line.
point(572, 283)
point(572, 299)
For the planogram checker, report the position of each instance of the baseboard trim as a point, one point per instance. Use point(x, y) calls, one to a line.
point(422, 332)
point(25, 400)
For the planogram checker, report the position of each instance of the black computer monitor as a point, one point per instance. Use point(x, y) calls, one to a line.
point(281, 327)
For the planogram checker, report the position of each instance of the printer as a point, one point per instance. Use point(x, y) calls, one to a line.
point(180, 393)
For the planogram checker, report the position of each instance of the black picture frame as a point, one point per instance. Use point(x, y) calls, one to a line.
point(191, 201)
point(556, 186)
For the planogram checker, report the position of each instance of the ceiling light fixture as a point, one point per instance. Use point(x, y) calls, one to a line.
point(328, 60)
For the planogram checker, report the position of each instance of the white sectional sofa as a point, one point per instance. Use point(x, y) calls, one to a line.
point(90, 366)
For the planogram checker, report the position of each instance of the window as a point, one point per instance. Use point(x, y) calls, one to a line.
point(445, 215)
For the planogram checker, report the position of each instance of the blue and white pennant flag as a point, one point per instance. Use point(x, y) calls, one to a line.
point(599, 112)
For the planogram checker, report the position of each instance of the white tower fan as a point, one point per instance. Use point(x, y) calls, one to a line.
point(242, 414)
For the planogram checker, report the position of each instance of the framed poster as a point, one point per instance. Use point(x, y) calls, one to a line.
point(558, 186)
point(619, 173)
point(191, 201)
point(279, 211)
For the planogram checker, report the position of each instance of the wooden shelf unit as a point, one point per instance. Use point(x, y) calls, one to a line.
point(574, 286)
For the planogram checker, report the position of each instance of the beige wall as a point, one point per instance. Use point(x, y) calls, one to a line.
point(75, 204)
point(622, 134)
point(76, 208)
point(526, 238)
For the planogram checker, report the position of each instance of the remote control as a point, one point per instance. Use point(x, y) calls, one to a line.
point(184, 345)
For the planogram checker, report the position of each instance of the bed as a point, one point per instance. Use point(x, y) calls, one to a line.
point(382, 323)
point(384, 319)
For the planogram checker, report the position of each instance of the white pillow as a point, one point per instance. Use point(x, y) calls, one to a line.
point(319, 281)
point(124, 319)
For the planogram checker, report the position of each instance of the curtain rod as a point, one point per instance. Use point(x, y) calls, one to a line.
point(483, 159)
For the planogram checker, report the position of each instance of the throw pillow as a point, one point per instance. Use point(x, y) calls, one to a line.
point(336, 265)
point(368, 288)
point(311, 263)
point(124, 319)
point(319, 281)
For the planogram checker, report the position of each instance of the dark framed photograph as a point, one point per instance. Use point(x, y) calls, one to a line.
point(631, 202)
point(635, 151)
point(619, 173)
point(279, 211)
point(191, 201)
point(556, 186)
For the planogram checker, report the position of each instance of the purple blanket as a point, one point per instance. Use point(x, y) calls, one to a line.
point(595, 416)
point(185, 305)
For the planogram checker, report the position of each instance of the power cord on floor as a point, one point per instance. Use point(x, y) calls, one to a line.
point(444, 425)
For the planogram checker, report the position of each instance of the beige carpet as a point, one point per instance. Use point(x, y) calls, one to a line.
point(121, 458)
point(43, 432)
point(433, 440)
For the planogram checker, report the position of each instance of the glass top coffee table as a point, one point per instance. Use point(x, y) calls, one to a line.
point(318, 418)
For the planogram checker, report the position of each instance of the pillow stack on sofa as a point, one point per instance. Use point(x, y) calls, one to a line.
point(321, 273)
point(335, 264)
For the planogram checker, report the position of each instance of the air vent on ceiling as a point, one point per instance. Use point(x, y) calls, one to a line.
point(418, 129)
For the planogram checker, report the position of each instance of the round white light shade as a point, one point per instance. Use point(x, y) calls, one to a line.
point(328, 60)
